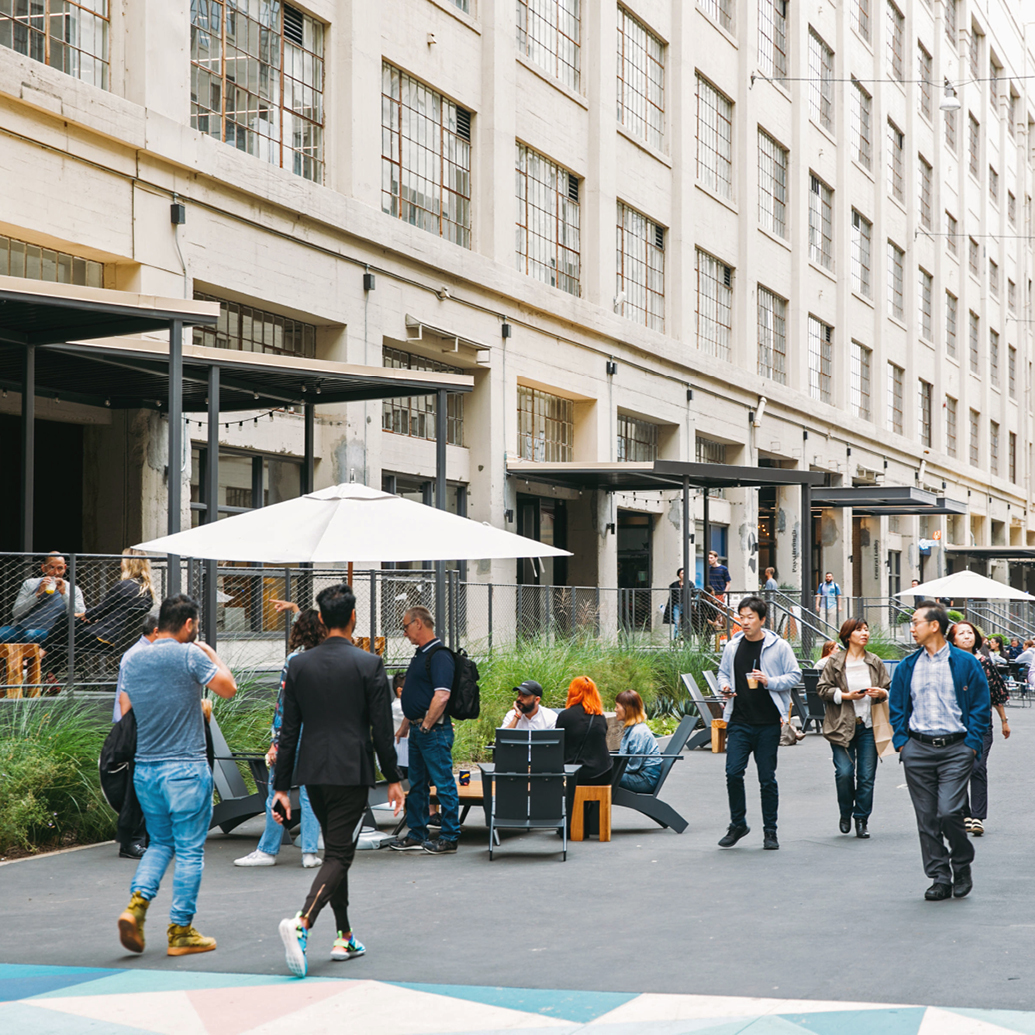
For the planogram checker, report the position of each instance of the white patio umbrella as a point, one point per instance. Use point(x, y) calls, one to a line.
point(965, 585)
point(348, 522)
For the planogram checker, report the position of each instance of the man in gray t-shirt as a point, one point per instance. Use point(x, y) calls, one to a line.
point(163, 686)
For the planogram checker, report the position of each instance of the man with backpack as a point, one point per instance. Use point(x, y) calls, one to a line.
point(427, 721)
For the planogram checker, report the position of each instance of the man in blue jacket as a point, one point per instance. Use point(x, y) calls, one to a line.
point(756, 674)
point(940, 707)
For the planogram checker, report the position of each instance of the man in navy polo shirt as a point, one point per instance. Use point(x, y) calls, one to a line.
point(425, 699)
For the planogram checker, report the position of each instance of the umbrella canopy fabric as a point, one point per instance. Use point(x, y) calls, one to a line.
point(966, 585)
point(348, 522)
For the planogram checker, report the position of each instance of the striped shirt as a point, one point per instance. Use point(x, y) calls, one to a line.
point(933, 693)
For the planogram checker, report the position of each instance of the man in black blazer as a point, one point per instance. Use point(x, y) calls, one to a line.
point(341, 695)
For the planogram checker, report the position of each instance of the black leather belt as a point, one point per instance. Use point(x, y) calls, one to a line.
point(938, 742)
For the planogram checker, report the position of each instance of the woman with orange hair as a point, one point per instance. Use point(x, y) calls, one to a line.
point(585, 741)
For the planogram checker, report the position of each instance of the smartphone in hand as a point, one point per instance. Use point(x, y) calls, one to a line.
point(278, 808)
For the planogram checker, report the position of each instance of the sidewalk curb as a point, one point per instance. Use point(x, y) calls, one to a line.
point(48, 855)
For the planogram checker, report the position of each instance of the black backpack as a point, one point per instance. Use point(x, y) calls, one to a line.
point(464, 695)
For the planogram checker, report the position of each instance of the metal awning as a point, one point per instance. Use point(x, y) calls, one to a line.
point(132, 373)
point(661, 474)
point(886, 499)
point(1004, 553)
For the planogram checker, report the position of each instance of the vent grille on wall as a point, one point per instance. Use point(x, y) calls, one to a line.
point(294, 25)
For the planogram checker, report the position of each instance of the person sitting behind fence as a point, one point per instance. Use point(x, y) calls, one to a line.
point(643, 769)
point(828, 648)
point(41, 603)
point(528, 712)
point(402, 743)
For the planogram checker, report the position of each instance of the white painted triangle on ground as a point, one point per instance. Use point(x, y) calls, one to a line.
point(945, 1022)
point(392, 1010)
point(165, 1013)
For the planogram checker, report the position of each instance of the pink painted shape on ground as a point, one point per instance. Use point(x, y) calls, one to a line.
point(231, 1011)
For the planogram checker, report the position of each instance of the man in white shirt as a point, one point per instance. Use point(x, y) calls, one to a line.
point(41, 603)
point(528, 713)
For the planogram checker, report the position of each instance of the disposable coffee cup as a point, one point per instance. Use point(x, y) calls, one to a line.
point(752, 682)
point(51, 587)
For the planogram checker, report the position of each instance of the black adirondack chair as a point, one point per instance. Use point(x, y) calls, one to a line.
point(709, 706)
point(815, 706)
point(650, 804)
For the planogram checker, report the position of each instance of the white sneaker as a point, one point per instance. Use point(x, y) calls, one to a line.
point(319, 842)
point(256, 858)
point(311, 860)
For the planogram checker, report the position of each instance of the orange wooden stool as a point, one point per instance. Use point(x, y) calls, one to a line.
point(15, 656)
point(584, 793)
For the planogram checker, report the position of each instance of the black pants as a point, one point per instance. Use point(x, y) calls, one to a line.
point(977, 798)
point(131, 828)
point(339, 811)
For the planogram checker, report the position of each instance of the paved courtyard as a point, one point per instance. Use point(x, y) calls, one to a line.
point(651, 932)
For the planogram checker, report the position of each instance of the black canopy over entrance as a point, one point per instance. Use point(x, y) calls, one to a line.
point(887, 499)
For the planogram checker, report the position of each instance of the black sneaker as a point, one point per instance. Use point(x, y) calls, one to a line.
point(769, 841)
point(435, 820)
point(733, 835)
point(134, 850)
point(440, 846)
point(963, 882)
point(406, 844)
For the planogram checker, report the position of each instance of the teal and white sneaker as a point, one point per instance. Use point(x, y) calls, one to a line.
point(293, 934)
point(347, 949)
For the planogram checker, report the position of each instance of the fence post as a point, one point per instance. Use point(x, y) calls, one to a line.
point(490, 617)
point(518, 631)
point(287, 612)
point(71, 622)
point(373, 613)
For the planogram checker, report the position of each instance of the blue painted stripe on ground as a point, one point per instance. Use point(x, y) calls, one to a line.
point(898, 1021)
point(1012, 1020)
point(21, 1017)
point(123, 982)
point(582, 1007)
point(24, 982)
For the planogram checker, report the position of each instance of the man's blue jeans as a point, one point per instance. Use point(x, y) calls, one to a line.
point(431, 763)
point(22, 634)
point(176, 798)
point(273, 835)
point(763, 742)
point(855, 767)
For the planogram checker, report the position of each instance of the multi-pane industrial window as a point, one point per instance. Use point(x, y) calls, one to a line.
point(547, 221)
point(975, 438)
point(950, 425)
point(1012, 458)
point(974, 144)
point(926, 70)
point(861, 359)
point(1011, 114)
point(974, 52)
point(896, 259)
point(1011, 208)
point(546, 429)
point(641, 80)
point(896, 161)
point(950, 233)
point(549, 34)
point(637, 440)
point(951, 306)
point(950, 130)
point(993, 277)
point(975, 342)
point(708, 451)
point(425, 157)
point(993, 358)
point(257, 78)
point(993, 447)
point(993, 84)
point(896, 27)
point(714, 306)
point(1011, 371)
point(862, 230)
point(821, 359)
point(1011, 294)
point(821, 81)
point(721, 11)
point(950, 9)
point(896, 381)
point(862, 125)
point(772, 38)
point(245, 328)
point(924, 291)
point(973, 257)
point(821, 233)
point(772, 336)
point(924, 183)
point(415, 415)
point(772, 185)
point(924, 411)
point(70, 35)
point(861, 18)
point(641, 267)
point(714, 139)
point(34, 262)
point(993, 186)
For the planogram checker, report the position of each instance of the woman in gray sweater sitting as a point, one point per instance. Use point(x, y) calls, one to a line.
point(643, 769)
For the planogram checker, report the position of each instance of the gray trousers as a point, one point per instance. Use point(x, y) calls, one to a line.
point(937, 778)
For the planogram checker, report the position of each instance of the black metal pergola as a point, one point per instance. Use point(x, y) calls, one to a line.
point(890, 500)
point(47, 349)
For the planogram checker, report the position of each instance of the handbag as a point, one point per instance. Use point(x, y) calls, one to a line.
point(883, 733)
point(789, 733)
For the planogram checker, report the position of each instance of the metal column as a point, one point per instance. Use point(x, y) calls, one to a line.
point(174, 480)
point(806, 569)
point(309, 463)
point(706, 539)
point(440, 503)
point(684, 604)
point(28, 444)
point(211, 500)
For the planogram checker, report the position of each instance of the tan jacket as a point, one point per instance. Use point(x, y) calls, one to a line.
point(839, 722)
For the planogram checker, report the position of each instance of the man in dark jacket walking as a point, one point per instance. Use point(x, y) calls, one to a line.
point(939, 708)
point(341, 694)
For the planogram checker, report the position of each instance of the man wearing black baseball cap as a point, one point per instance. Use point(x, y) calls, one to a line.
point(528, 713)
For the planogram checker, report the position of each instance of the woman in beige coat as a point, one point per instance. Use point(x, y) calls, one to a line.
point(851, 680)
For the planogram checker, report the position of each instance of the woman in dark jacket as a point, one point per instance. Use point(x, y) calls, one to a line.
point(585, 741)
point(109, 625)
point(850, 681)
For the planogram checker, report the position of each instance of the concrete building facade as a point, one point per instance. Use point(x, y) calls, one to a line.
point(631, 222)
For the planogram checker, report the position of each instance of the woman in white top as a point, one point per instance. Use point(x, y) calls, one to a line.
point(849, 682)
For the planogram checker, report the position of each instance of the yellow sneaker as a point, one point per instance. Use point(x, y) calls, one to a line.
point(185, 940)
point(131, 923)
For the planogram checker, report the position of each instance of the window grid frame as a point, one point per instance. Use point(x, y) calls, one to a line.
point(925, 290)
point(862, 125)
point(637, 440)
point(418, 412)
point(862, 362)
point(43, 44)
point(975, 343)
point(951, 314)
point(951, 445)
point(862, 254)
point(896, 26)
point(924, 414)
point(640, 266)
point(895, 397)
point(993, 447)
point(925, 179)
point(974, 145)
point(711, 275)
point(645, 117)
point(896, 281)
point(896, 162)
point(821, 359)
point(773, 165)
point(772, 38)
point(926, 75)
point(534, 38)
point(821, 81)
point(772, 335)
point(546, 424)
point(717, 109)
point(975, 439)
point(993, 359)
point(238, 322)
point(36, 262)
